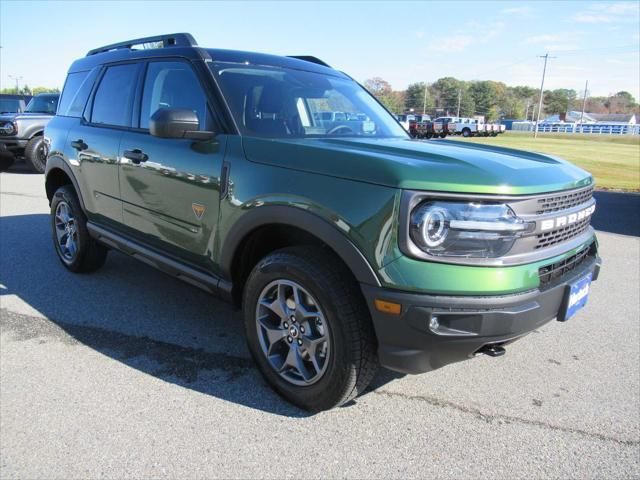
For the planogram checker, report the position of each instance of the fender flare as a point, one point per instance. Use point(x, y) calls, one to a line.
point(55, 162)
point(295, 217)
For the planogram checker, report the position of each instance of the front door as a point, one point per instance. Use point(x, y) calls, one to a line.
point(170, 187)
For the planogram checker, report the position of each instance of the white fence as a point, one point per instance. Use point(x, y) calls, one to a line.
point(585, 128)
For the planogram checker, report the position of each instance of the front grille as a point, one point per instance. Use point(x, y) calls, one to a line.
point(562, 202)
point(562, 234)
point(558, 269)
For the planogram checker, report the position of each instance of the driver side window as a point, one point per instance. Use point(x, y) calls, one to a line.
point(173, 85)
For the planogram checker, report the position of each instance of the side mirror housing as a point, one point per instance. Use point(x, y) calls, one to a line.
point(177, 123)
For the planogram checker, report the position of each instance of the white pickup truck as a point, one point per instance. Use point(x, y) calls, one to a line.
point(469, 127)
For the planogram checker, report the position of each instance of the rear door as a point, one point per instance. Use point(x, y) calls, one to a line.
point(171, 197)
point(93, 143)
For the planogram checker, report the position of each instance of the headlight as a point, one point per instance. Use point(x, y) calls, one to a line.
point(475, 230)
point(8, 128)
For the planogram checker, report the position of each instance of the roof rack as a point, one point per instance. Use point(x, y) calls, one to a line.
point(169, 40)
point(309, 58)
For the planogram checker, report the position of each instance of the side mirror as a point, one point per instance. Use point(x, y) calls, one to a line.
point(177, 123)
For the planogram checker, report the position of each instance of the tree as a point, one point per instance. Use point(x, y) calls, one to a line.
point(415, 99)
point(377, 86)
point(559, 100)
point(487, 96)
point(445, 92)
point(381, 89)
point(37, 90)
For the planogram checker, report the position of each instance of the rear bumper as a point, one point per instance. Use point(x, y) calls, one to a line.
point(407, 344)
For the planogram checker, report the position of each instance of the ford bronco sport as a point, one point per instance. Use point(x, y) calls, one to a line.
point(22, 133)
point(348, 245)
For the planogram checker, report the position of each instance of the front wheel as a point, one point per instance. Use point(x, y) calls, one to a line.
point(76, 249)
point(35, 154)
point(308, 328)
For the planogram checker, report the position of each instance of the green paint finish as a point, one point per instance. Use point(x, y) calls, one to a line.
point(419, 276)
point(364, 213)
point(419, 165)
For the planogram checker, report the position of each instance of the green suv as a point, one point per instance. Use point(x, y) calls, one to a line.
point(283, 186)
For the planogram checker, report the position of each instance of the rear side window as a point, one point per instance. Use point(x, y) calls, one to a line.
point(113, 99)
point(172, 85)
point(76, 92)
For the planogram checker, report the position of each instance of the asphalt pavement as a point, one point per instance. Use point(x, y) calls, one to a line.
point(128, 372)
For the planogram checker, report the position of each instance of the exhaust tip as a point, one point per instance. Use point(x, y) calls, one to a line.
point(492, 350)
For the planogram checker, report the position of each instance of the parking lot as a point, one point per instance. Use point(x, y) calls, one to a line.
point(128, 372)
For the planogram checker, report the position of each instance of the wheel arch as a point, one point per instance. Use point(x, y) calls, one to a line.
point(267, 228)
point(58, 173)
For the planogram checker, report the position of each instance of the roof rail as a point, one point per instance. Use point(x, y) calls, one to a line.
point(309, 58)
point(169, 40)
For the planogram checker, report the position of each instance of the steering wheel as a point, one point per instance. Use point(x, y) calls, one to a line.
point(337, 128)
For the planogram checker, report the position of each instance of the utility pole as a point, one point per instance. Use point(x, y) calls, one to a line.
point(526, 112)
point(544, 71)
point(459, 98)
point(17, 79)
point(424, 103)
point(584, 100)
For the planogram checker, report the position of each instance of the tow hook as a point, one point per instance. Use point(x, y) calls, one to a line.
point(492, 350)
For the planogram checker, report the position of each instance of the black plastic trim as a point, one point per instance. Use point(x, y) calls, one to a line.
point(320, 228)
point(409, 342)
point(203, 280)
point(55, 162)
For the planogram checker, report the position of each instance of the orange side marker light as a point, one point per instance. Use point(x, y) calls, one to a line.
point(388, 307)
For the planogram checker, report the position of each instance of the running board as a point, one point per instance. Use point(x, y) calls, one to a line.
point(205, 281)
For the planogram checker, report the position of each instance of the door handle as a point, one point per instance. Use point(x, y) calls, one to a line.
point(136, 156)
point(79, 145)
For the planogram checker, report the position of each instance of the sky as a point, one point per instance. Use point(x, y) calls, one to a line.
point(402, 42)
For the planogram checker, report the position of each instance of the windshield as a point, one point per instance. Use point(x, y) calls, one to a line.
point(9, 105)
point(43, 104)
point(277, 102)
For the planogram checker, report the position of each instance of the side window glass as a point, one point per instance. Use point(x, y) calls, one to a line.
point(76, 92)
point(112, 101)
point(172, 85)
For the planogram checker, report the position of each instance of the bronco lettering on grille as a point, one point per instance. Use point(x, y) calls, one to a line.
point(567, 219)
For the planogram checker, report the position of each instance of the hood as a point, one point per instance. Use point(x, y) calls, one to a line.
point(446, 166)
point(10, 117)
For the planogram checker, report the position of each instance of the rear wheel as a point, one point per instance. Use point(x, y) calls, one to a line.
point(308, 328)
point(35, 154)
point(76, 249)
point(466, 132)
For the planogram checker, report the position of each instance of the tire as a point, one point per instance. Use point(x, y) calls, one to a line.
point(34, 154)
point(83, 254)
point(6, 160)
point(466, 132)
point(339, 315)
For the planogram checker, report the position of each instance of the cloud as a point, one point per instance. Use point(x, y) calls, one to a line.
point(494, 29)
point(616, 8)
point(454, 43)
point(535, 39)
point(524, 10)
point(585, 17)
point(608, 13)
point(561, 47)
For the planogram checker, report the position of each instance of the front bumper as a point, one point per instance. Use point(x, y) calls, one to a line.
point(12, 144)
point(466, 324)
